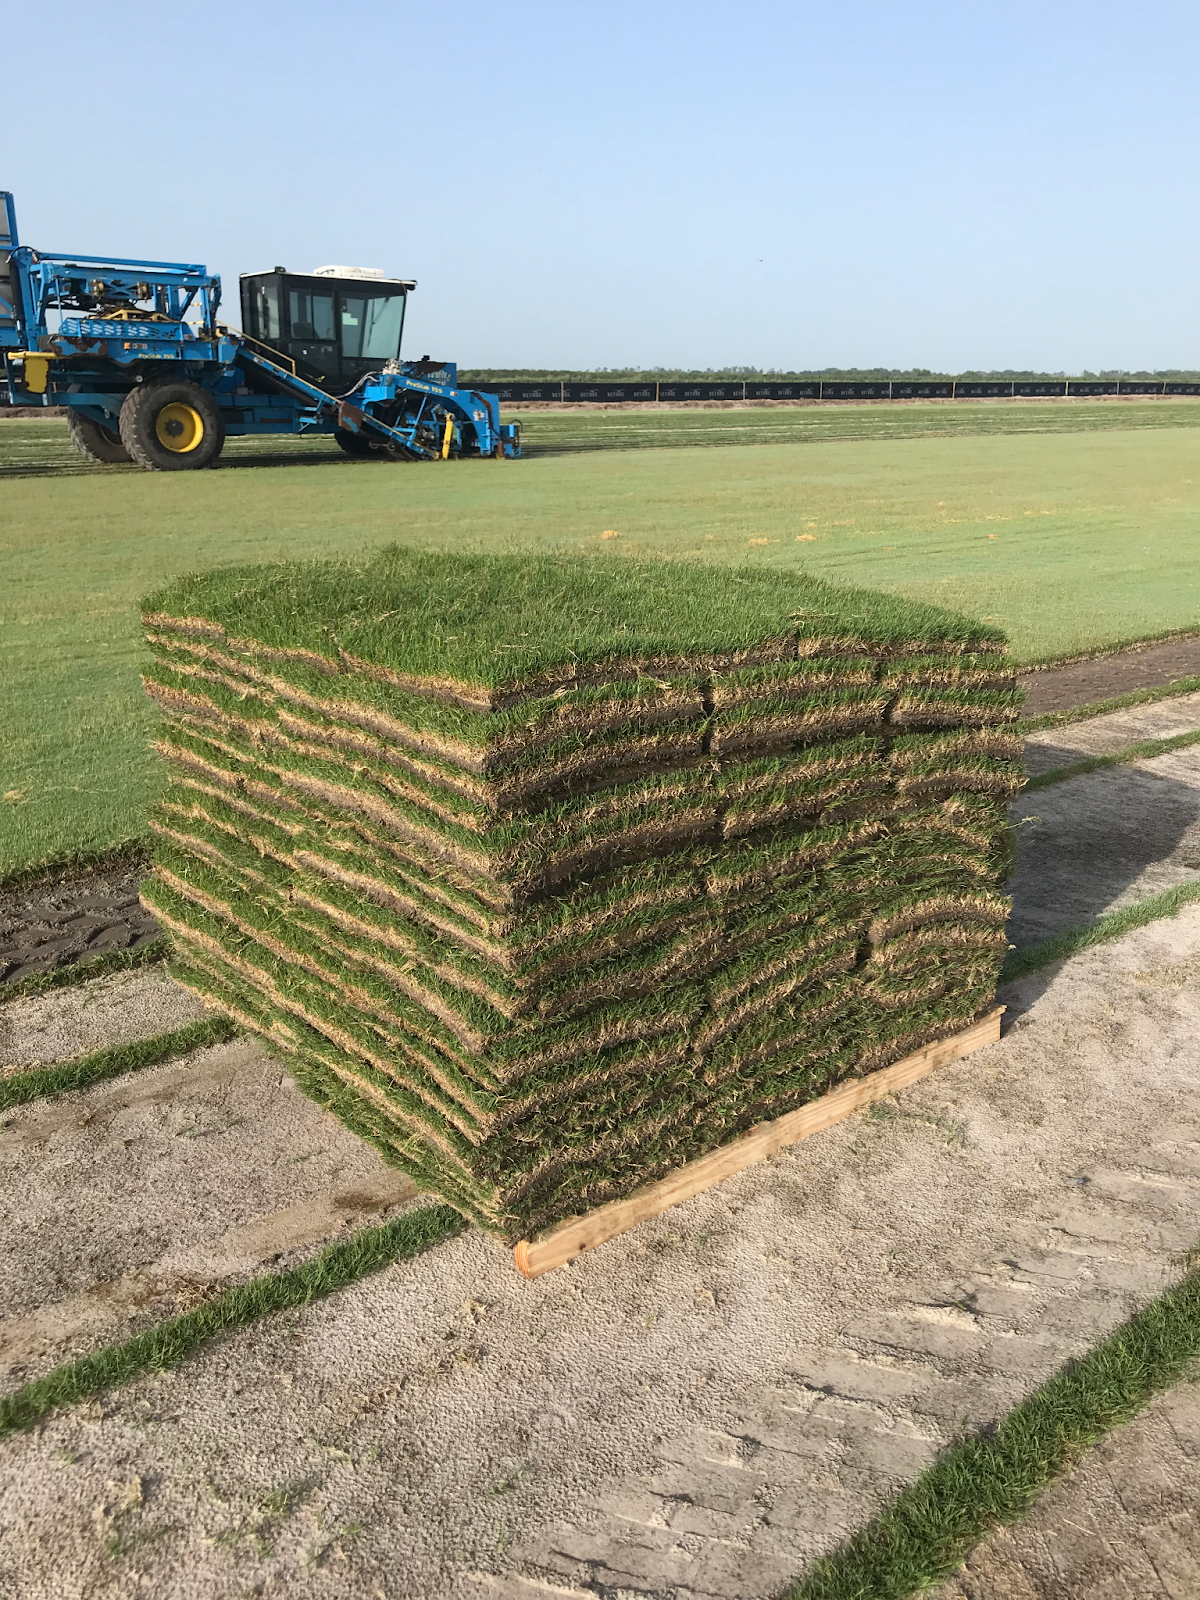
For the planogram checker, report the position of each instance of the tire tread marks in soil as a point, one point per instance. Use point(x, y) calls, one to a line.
point(48, 925)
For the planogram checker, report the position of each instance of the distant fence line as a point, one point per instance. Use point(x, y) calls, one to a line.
point(836, 389)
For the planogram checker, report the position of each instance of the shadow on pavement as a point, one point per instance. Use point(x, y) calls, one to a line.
point(1095, 843)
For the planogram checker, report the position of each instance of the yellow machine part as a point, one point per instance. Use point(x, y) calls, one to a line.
point(179, 427)
point(447, 437)
point(37, 369)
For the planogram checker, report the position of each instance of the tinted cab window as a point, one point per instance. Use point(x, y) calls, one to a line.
point(333, 330)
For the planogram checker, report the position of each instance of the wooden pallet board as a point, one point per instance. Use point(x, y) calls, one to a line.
point(571, 1238)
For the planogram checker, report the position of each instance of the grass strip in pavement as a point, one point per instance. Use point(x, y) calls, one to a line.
point(169, 1342)
point(1110, 926)
point(1144, 750)
point(18, 1088)
point(1117, 702)
point(994, 1477)
point(80, 971)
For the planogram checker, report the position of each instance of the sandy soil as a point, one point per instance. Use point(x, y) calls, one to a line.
point(1124, 1525)
point(42, 1029)
point(181, 1138)
point(1111, 733)
point(1106, 840)
point(697, 1408)
point(137, 1198)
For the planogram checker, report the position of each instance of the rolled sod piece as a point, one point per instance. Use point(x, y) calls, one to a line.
point(549, 874)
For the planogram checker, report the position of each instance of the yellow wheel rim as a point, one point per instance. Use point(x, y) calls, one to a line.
point(179, 427)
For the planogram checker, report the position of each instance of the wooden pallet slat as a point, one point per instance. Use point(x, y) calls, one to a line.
point(571, 1238)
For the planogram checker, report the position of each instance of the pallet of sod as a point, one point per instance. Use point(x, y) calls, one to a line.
point(552, 874)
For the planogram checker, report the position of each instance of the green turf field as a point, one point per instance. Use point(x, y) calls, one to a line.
point(1072, 526)
point(43, 449)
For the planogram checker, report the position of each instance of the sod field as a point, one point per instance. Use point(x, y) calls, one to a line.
point(1072, 527)
point(43, 448)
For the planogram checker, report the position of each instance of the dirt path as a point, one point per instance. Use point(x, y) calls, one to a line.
point(77, 914)
point(1148, 666)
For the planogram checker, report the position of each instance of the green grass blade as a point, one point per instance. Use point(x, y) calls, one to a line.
point(170, 1342)
point(82, 1071)
point(927, 1531)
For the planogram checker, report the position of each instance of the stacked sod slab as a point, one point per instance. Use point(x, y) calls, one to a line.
point(551, 874)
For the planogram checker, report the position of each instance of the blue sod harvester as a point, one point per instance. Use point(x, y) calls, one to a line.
point(134, 350)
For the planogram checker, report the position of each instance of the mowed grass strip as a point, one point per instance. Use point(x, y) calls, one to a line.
point(169, 1342)
point(653, 428)
point(994, 1478)
point(1144, 750)
point(1068, 541)
point(42, 448)
point(1110, 926)
point(19, 1087)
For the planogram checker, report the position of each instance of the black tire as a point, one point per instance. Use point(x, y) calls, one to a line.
point(172, 427)
point(354, 444)
point(95, 442)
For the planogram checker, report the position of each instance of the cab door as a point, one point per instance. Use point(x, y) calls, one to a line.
point(312, 331)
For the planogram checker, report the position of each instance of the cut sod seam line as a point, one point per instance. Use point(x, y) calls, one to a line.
point(1143, 751)
point(928, 1530)
point(170, 1342)
point(20, 1087)
point(81, 971)
point(1119, 647)
point(133, 852)
point(1109, 926)
point(1097, 708)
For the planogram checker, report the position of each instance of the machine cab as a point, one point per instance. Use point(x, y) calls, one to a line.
point(336, 324)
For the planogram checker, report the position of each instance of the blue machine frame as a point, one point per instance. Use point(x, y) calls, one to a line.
point(104, 346)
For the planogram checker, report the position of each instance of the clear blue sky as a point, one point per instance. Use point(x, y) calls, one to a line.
point(947, 185)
